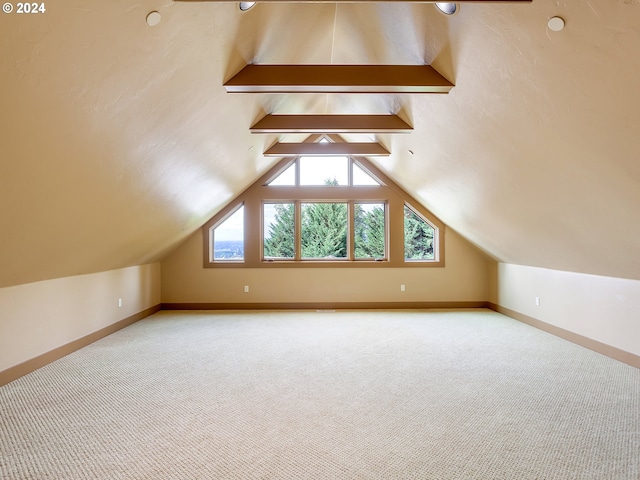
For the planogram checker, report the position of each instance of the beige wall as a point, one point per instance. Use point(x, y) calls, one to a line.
point(464, 278)
point(36, 318)
point(605, 309)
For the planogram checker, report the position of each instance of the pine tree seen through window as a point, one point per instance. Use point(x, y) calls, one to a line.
point(324, 230)
point(418, 236)
point(279, 235)
point(369, 238)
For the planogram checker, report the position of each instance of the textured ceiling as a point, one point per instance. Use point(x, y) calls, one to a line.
point(117, 140)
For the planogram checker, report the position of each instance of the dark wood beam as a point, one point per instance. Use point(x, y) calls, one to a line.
point(326, 150)
point(278, 124)
point(362, 1)
point(338, 79)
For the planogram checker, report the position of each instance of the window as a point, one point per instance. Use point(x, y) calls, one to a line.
point(323, 231)
point(228, 237)
point(360, 177)
point(288, 177)
point(418, 237)
point(324, 171)
point(279, 231)
point(335, 211)
point(369, 231)
point(332, 171)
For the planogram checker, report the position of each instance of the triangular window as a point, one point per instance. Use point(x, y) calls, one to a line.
point(362, 178)
point(418, 236)
point(228, 237)
point(286, 178)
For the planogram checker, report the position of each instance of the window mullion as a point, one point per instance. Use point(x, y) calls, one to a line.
point(351, 230)
point(297, 230)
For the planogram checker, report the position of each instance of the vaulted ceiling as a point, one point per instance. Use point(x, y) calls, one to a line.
point(118, 140)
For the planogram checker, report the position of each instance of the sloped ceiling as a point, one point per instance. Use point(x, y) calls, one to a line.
point(118, 139)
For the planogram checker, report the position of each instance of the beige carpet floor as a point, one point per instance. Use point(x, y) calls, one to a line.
point(466, 394)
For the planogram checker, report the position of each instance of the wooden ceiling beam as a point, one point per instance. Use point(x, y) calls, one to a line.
point(281, 124)
point(338, 79)
point(362, 1)
point(326, 150)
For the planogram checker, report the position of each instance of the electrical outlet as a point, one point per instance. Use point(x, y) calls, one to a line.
point(402, 288)
point(119, 303)
point(537, 301)
point(246, 289)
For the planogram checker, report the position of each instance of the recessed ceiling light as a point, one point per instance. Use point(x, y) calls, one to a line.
point(448, 8)
point(556, 24)
point(153, 18)
point(244, 6)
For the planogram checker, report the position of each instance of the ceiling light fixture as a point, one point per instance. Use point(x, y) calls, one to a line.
point(244, 6)
point(153, 18)
point(556, 24)
point(448, 8)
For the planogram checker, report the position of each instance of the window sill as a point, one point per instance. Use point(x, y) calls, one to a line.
point(326, 264)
